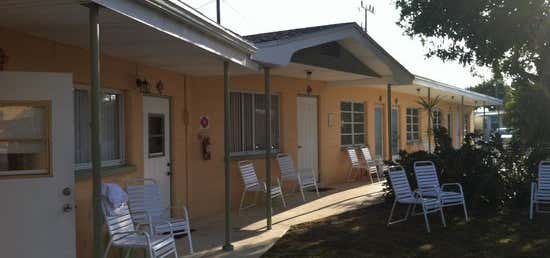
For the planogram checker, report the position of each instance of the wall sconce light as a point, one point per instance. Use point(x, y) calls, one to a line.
point(417, 91)
point(160, 87)
point(379, 98)
point(396, 101)
point(3, 59)
point(143, 85)
point(308, 78)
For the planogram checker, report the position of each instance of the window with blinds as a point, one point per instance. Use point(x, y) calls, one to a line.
point(111, 129)
point(25, 138)
point(248, 132)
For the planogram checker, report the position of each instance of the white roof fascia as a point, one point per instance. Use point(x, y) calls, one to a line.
point(183, 22)
point(426, 82)
point(279, 52)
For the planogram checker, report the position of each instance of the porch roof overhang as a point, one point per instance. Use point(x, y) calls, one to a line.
point(449, 93)
point(165, 34)
point(287, 50)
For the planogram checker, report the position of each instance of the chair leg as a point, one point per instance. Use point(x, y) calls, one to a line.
point(242, 200)
point(302, 192)
point(191, 251)
point(426, 219)
point(443, 217)
point(391, 212)
point(108, 248)
point(409, 210)
point(465, 210)
point(317, 190)
point(128, 251)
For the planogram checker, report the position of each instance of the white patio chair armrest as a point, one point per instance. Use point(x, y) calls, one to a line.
point(302, 171)
point(166, 222)
point(453, 184)
point(135, 232)
point(148, 220)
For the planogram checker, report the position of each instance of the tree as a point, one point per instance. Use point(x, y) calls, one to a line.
point(429, 105)
point(511, 35)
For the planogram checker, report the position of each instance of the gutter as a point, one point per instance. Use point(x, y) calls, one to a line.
point(185, 13)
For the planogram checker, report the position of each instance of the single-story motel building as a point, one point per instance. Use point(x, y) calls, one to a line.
point(163, 71)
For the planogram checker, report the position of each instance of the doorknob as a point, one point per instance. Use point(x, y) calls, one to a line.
point(169, 173)
point(299, 146)
point(67, 208)
point(67, 191)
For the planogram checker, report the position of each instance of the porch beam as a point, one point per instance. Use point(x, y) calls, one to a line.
point(227, 159)
point(95, 134)
point(388, 89)
point(267, 107)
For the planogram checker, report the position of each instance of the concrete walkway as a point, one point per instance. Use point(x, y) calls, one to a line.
point(249, 235)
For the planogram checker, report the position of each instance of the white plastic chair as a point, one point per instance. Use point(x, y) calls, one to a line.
point(540, 191)
point(372, 166)
point(303, 178)
point(356, 165)
point(427, 179)
point(404, 195)
point(252, 184)
point(144, 197)
point(124, 234)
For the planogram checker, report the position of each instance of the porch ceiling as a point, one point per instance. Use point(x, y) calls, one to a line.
point(66, 22)
point(297, 70)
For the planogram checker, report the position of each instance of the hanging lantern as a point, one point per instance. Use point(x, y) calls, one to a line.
point(160, 87)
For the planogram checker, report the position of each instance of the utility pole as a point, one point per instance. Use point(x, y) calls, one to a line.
point(367, 8)
point(218, 12)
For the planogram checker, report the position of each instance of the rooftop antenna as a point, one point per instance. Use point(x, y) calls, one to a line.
point(367, 8)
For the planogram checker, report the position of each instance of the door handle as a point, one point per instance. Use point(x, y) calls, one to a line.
point(299, 146)
point(67, 208)
point(169, 173)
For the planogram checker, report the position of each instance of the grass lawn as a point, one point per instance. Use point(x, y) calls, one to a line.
point(362, 233)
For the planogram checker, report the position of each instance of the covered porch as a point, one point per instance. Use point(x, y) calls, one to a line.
point(249, 234)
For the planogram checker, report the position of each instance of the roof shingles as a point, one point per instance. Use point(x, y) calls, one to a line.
point(287, 34)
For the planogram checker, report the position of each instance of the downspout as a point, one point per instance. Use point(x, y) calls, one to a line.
point(95, 134)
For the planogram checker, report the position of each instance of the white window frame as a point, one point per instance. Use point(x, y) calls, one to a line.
point(353, 123)
point(253, 104)
point(410, 124)
point(122, 136)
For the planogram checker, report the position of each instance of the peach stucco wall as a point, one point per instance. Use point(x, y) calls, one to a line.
point(197, 183)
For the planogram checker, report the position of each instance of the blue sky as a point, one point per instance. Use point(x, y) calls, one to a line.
point(249, 17)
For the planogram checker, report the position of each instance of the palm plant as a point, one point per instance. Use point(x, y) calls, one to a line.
point(429, 104)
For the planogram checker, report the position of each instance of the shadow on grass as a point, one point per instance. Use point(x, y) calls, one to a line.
point(362, 233)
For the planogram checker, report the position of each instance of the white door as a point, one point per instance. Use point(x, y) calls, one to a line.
point(37, 136)
point(156, 139)
point(307, 134)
